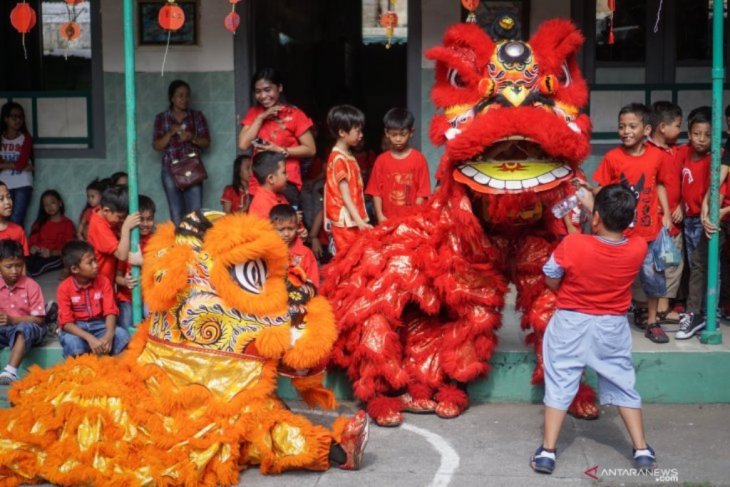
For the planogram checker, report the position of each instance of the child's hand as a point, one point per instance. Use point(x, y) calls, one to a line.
point(317, 248)
point(678, 215)
point(579, 183)
point(667, 221)
point(131, 221)
point(129, 281)
point(709, 227)
point(106, 344)
point(3, 319)
point(135, 258)
point(34, 249)
point(302, 232)
point(96, 345)
point(300, 217)
point(45, 253)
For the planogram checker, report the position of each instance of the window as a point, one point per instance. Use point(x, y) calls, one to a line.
point(620, 30)
point(694, 30)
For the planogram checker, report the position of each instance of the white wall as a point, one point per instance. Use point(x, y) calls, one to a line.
point(214, 51)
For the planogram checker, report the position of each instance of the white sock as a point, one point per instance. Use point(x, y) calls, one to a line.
point(11, 370)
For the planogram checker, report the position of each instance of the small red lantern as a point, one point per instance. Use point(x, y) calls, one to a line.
point(471, 6)
point(70, 31)
point(389, 20)
point(232, 21)
point(23, 18)
point(73, 3)
point(171, 16)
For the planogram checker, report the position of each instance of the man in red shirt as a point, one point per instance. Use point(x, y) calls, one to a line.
point(87, 313)
point(592, 276)
point(399, 179)
point(109, 230)
point(22, 310)
point(638, 166)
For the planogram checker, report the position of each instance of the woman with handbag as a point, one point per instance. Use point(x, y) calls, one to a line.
point(273, 125)
point(181, 134)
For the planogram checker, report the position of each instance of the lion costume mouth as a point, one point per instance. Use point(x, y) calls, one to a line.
point(512, 165)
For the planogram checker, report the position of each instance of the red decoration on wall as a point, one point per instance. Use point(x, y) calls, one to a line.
point(23, 18)
point(389, 20)
point(471, 6)
point(171, 17)
point(74, 2)
point(232, 20)
point(612, 8)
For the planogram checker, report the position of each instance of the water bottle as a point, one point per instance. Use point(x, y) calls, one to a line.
point(564, 206)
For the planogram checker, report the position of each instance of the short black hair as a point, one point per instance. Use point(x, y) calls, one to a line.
point(116, 199)
point(146, 204)
point(664, 112)
point(638, 109)
point(344, 117)
point(398, 119)
point(117, 176)
point(97, 185)
point(265, 164)
point(616, 205)
point(11, 249)
point(74, 251)
point(699, 115)
point(282, 213)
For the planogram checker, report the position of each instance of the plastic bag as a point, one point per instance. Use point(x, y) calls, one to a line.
point(664, 252)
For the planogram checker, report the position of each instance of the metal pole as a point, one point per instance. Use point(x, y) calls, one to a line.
point(131, 115)
point(711, 335)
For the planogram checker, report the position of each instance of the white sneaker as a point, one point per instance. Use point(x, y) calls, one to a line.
point(7, 378)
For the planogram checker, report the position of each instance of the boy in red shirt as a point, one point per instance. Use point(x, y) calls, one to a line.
point(270, 172)
point(8, 229)
point(344, 201)
point(87, 313)
point(638, 166)
point(592, 276)
point(284, 219)
point(109, 229)
point(399, 179)
point(666, 123)
point(22, 311)
point(124, 280)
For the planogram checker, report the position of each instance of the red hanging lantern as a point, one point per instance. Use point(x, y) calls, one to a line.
point(70, 31)
point(389, 20)
point(471, 6)
point(73, 3)
point(232, 20)
point(23, 18)
point(171, 16)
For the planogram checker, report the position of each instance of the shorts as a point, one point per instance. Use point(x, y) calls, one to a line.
point(650, 282)
point(575, 340)
point(33, 334)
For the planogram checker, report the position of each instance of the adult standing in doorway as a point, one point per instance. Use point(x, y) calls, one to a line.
point(274, 125)
point(179, 132)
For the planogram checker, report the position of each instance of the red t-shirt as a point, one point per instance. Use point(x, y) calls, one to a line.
point(239, 200)
point(343, 167)
point(284, 131)
point(263, 201)
point(399, 182)
point(300, 255)
point(92, 302)
point(598, 273)
point(671, 177)
point(124, 294)
point(695, 180)
point(643, 174)
point(103, 237)
point(15, 232)
point(53, 235)
point(725, 193)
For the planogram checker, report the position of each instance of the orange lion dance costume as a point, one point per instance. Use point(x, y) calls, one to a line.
point(418, 300)
point(193, 401)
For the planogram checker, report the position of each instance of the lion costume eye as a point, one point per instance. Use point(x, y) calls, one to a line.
point(250, 275)
point(564, 76)
point(454, 78)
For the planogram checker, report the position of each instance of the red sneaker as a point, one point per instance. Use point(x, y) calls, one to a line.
point(353, 441)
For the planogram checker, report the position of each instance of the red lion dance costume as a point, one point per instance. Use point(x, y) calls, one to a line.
point(418, 300)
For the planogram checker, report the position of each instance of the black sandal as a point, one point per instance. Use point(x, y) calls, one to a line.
point(641, 317)
point(662, 317)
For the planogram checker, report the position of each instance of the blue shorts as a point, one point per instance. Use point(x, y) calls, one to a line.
point(575, 340)
point(33, 334)
point(653, 282)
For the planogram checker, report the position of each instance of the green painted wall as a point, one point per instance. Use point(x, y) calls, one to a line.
point(212, 93)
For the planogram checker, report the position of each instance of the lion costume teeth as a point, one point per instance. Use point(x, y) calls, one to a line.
point(193, 401)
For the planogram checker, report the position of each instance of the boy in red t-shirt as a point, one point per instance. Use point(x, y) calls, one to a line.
point(666, 123)
point(8, 229)
point(284, 219)
point(344, 201)
point(87, 313)
point(124, 280)
point(592, 276)
point(109, 229)
point(22, 311)
point(270, 172)
point(399, 180)
point(638, 166)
